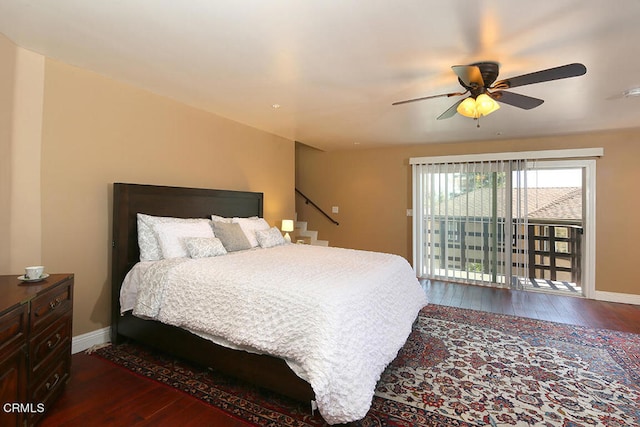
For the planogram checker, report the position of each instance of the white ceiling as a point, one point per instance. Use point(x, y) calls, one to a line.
point(335, 66)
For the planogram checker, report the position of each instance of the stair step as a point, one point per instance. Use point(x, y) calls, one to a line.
point(309, 236)
point(307, 233)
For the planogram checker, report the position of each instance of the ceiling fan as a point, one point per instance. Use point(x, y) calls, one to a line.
point(479, 80)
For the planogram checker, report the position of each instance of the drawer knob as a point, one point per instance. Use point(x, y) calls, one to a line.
point(53, 304)
point(49, 385)
point(51, 344)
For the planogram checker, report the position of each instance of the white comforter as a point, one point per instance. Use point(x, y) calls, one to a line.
point(339, 314)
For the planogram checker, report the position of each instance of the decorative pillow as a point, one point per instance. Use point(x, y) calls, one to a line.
point(231, 236)
point(204, 247)
point(171, 236)
point(147, 240)
point(269, 238)
point(249, 227)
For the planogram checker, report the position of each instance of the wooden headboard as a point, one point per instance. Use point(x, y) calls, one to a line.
point(131, 199)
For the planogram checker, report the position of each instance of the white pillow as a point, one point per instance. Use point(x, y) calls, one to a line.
point(249, 227)
point(147, 239)
point(171, 236)
point(217, 218)
point(204, 247)
point(269, 238)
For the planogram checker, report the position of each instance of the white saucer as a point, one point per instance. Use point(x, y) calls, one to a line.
point(24, 279)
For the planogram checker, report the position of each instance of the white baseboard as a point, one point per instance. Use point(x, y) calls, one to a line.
point(98, 337)
point(617, 297)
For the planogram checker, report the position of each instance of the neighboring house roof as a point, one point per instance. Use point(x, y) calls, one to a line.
point(556, 203)
point(567, 206)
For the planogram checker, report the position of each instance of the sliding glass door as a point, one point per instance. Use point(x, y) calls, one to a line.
point(495, 222)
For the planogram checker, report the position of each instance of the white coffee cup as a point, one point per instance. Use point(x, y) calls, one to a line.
point(33, 272)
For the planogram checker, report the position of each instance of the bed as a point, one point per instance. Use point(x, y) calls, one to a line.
point(288, 369)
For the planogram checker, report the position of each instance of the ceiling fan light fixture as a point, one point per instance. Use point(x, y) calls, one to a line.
point(467, 108)
point(479, 79)
point(486, 105)
point(482, 105)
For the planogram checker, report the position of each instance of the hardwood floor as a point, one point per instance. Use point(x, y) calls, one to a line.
point(538, 305)
point(101, 394)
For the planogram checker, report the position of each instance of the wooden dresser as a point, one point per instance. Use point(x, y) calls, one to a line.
point(35, 346)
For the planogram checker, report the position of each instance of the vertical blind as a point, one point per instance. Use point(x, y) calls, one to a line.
point(470, 221)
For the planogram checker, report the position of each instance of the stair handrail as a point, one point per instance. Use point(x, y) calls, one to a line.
point(309, 201)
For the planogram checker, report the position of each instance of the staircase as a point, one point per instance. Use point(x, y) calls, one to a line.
point(300, 232)
point(310, 237)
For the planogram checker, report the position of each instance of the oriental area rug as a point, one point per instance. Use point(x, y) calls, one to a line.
point(458, 368)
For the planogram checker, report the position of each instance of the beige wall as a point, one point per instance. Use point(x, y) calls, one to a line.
point(96, 131)
point(372, 188)
point(26, 213)
point(21, 77)
point(8, 53)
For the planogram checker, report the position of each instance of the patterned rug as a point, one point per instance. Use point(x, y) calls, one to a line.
point(458, 368)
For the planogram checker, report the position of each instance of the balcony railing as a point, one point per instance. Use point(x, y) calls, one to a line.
point(553, 249)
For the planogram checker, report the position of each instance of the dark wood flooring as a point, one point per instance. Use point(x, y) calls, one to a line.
point(101, 394)
point(538, 305)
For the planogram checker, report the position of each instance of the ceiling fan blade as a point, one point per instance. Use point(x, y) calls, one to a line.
point(429, 97)
point(515, 99)
point(470, 75)
point(562, 72)
point(451, 111)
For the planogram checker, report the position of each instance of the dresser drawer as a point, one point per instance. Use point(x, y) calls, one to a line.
point(52, 304)
point(45, 388)
point(13, 329)
point(47, 346)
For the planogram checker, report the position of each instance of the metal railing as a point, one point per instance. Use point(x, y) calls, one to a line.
point(308, 201)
